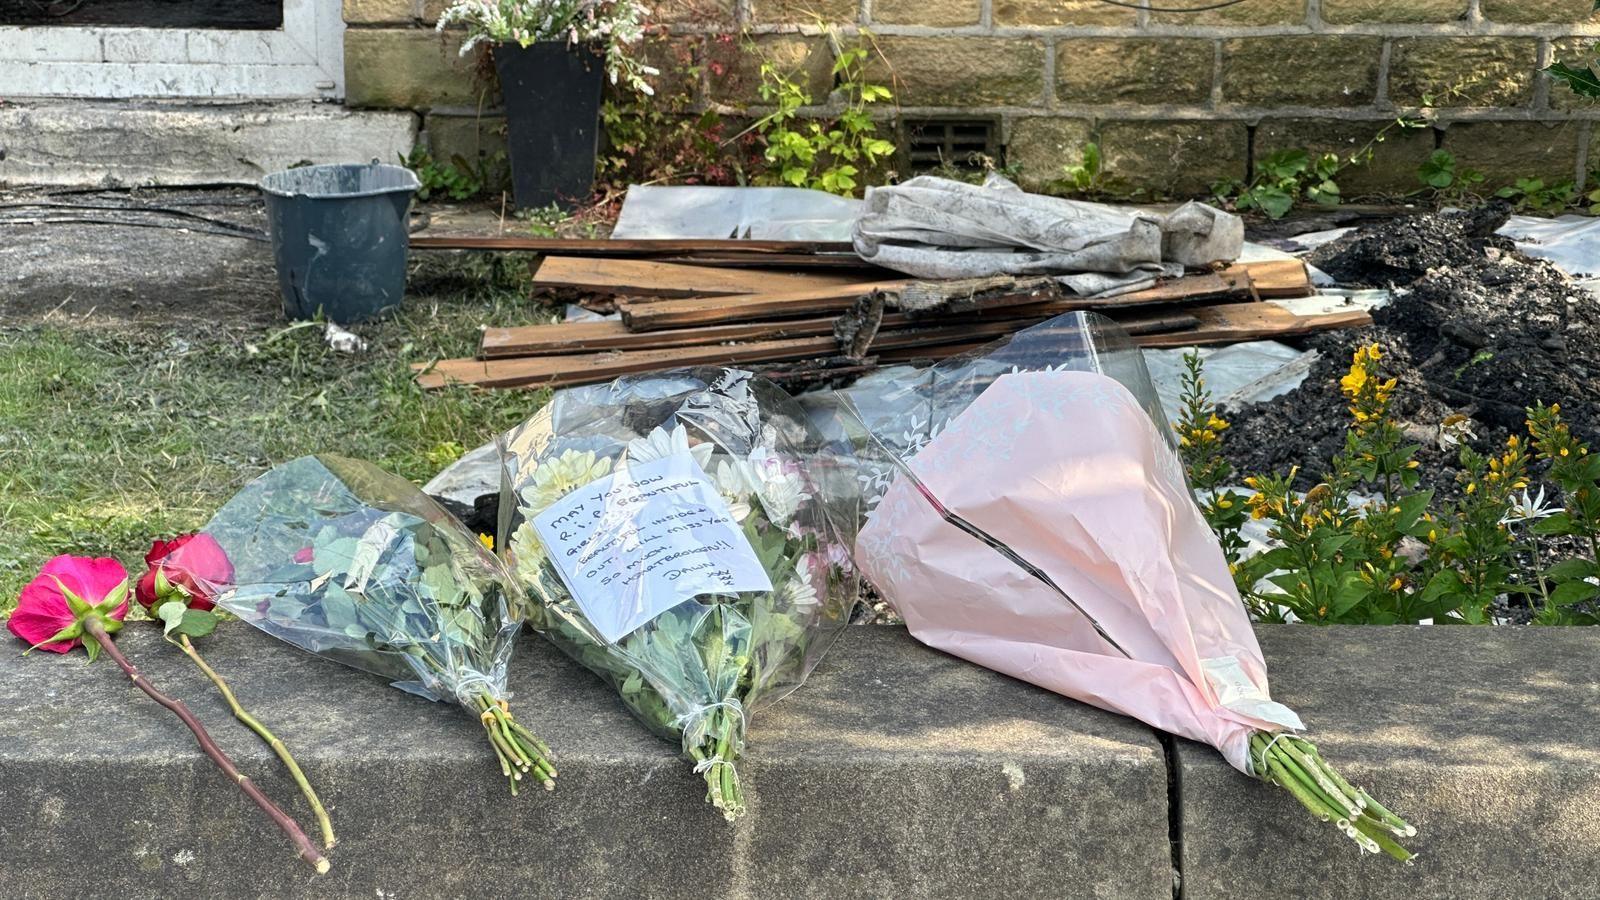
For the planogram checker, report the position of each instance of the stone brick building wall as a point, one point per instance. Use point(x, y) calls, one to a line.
point(1175, 101)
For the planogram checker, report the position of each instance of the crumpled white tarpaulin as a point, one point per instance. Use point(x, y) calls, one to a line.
point(932, 227)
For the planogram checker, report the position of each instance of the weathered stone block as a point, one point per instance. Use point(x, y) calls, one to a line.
point(409, 68)
point(1255, 12)
point(1531, 11)
point(1145, 70)
point(1483, 740)
point(1055, 13)
point(1310, 70)
point(735, 66)
point(932, 13)
point(1179, 158)
point(75, 143)
point(379, 12)
point(896, 771)
point(473, 138)
point(1040, 146)
point(1385, 12)
point(1465, 71)
point(1506, 151)
point(706, 12)
point(962, 71)
point(1393, 168)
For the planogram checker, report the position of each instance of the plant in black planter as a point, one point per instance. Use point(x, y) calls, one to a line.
point(552, 57)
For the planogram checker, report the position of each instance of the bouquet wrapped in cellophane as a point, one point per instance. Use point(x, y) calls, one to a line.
point(685, 536)
point(349, 562)
point(1031, 516)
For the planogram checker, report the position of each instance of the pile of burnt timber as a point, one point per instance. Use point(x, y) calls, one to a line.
point(773, 303)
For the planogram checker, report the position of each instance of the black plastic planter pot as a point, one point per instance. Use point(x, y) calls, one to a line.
point(551, 92)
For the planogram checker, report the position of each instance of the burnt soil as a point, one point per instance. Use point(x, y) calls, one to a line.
point(1474, 328)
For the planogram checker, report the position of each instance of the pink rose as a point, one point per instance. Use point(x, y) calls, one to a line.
point(42, 609)
point(191, 568)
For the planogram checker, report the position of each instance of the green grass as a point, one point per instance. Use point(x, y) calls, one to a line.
point(110, 437)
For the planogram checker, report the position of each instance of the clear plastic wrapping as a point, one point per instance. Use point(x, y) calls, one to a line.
point(685, 536)
point(349, 562)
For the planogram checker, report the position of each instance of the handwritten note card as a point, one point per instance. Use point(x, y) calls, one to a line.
point(639, 542)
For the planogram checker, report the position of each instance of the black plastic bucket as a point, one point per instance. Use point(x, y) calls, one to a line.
point(339, 237)
point(551, 94)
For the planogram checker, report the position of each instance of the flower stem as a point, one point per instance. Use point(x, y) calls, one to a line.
point(515, 748)
point(308, 851)
point(1294, 764)
point(252, 723)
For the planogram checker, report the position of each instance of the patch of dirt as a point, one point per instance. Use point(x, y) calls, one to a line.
point(1474, 328)
point(170, 256)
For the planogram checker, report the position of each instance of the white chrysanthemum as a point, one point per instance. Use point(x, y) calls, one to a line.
point(660, 444)
point(529, 553)
point(780, 489)
point(559, 476)
point(733, 479)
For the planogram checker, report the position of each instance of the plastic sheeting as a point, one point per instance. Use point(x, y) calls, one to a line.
point(741, 213)
point(937, 228)
point(1239, 373)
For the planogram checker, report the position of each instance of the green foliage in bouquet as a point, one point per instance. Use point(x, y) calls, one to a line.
point(383, 580)
point(696, 671)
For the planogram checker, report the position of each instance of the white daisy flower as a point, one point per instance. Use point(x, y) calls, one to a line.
point(798, 593)
point(660, 444)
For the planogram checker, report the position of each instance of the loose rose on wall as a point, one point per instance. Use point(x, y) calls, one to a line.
point(190, 568)
point(45, 616)
point(76, 600)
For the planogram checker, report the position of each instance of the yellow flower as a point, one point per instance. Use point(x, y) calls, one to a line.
point(1563, 451)
point(1224, 504)
point(1395, 585)
point(487, 541)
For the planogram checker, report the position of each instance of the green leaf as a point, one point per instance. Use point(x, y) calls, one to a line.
point(1349, 595)
point(180, 619)
point(1571, 570)
point(1439, 170)
point(1560, 523)
point(1574, 592)
point(1581, 79)
point(1272, 200)
point(171, 613)
point(198, 623)
point(1411, 508)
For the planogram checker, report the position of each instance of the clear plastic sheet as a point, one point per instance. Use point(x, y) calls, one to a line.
point(685, 536)
point(1033, 517)
point(344, 560)
point(904, 409)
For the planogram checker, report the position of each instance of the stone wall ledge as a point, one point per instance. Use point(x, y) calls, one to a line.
point(896, 771)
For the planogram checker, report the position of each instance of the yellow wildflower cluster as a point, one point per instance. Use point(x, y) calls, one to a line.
point(1367, 392)
point(1201, 435)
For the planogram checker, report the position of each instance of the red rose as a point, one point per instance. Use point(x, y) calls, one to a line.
point(191, 568)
